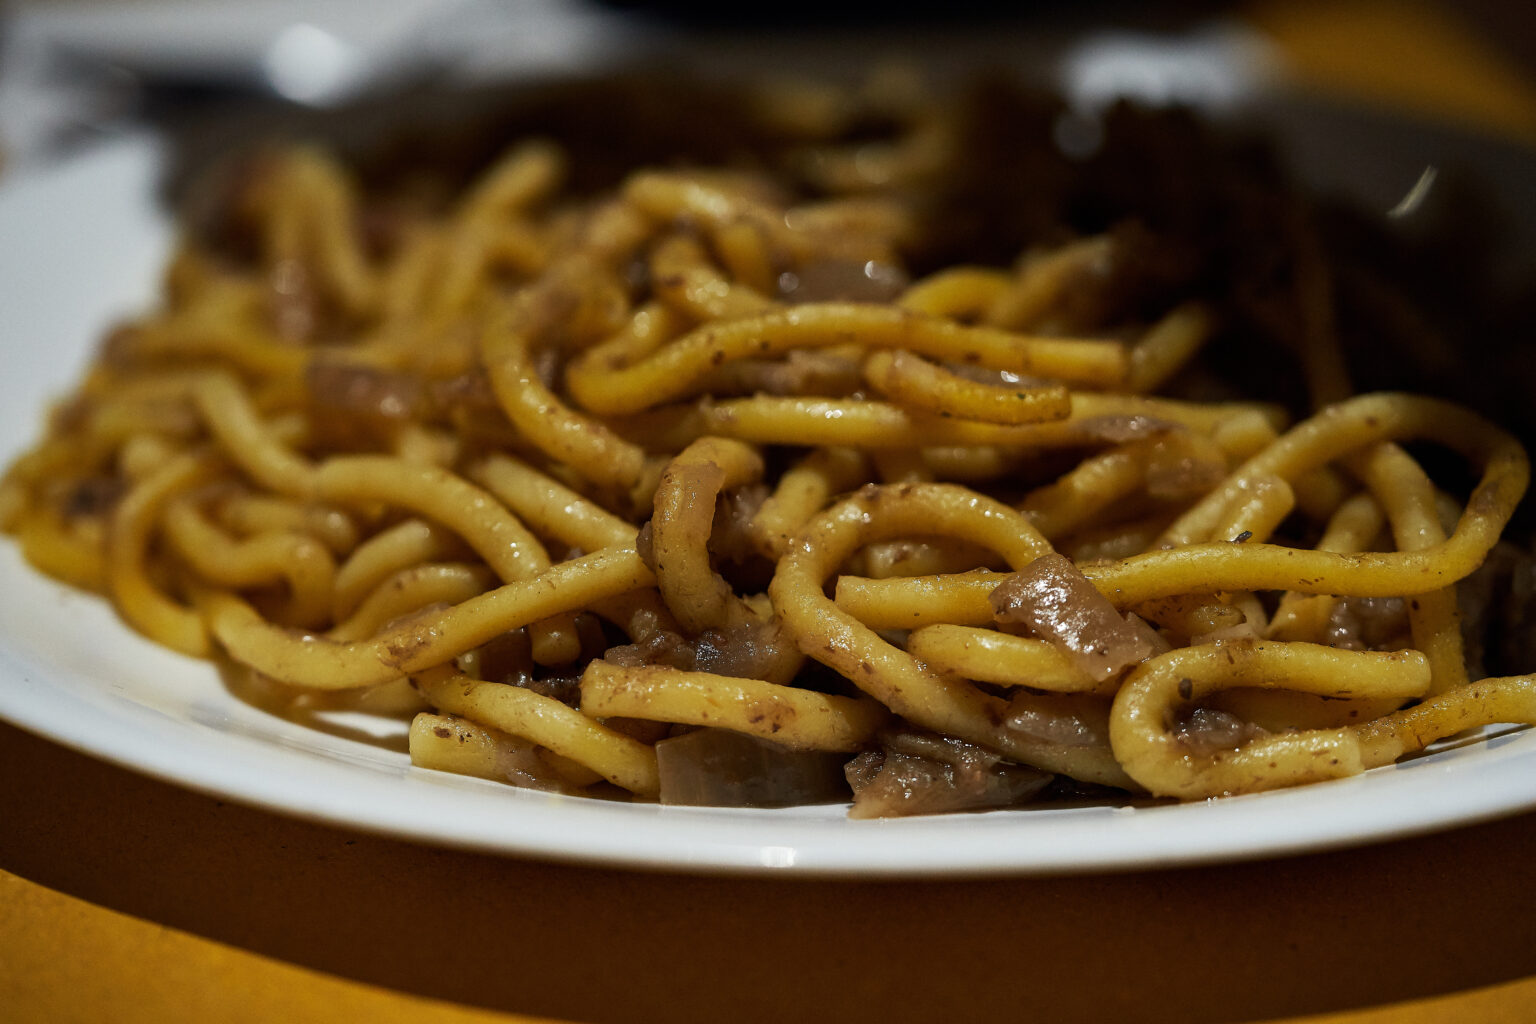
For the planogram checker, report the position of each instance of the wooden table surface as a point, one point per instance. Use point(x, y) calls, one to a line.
point(126, 899)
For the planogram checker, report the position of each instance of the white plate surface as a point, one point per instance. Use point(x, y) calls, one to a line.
point(82, 245)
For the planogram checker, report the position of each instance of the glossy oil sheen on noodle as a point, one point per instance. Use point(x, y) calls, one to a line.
point(774, 474)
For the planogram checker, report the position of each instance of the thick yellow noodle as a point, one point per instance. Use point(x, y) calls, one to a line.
point(590, 472)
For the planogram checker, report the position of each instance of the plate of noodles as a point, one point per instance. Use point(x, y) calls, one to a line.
point(872, 484)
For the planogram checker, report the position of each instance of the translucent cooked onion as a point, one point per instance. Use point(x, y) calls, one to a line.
point(1055, 720)
point(1055, 600)
point(921, 774)
point(1369, 624)
point(1206, 731)
point(720, 768)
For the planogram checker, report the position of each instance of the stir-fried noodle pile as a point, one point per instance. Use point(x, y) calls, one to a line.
point(817, 465)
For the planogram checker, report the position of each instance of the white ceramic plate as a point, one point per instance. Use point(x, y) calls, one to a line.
point(83, 244)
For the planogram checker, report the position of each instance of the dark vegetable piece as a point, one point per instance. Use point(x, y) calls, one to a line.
point(720, 768)
point(1057, 602)
point(922, 773)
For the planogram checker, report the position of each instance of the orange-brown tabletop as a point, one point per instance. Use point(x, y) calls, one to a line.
point(128, 899)
point(136, 900)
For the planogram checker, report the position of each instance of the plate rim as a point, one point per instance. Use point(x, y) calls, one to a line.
point(671, 839)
